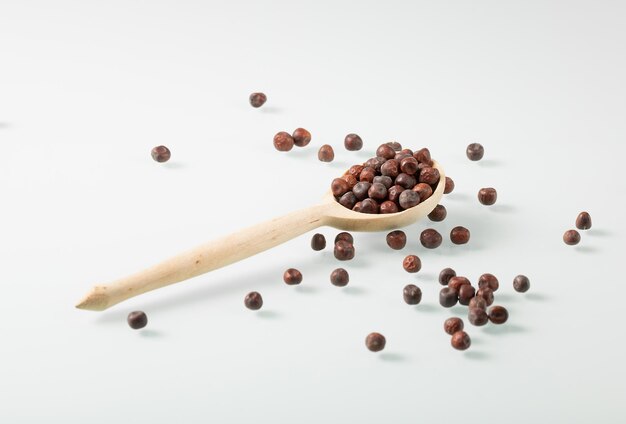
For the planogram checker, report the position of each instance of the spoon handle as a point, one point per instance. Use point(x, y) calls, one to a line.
point(207, 257)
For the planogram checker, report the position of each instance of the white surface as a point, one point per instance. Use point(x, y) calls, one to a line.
point(88, 88)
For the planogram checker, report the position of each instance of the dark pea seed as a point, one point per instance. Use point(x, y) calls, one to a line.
point(430, 238)
point(394, 192)
point(521, 283)
point(452, 325)
point(257, 99)
point(292, 277)
point(318, 242)
point(408, 199)
point(466, 293)
point(375, 163)
point(477, 317)
point(253, 300)
point(353, 142)
point(377, 191)
point(137, 320)
point(283, 141)
point(339, 187)
point(396, 239)
point(424, 190)
point(487, 196)
point(339, 277)
point(344, 251)
point(475, 151)
point(412, 264)
point(478, 302)
point(498, 314)
point(357, 207)
point(388, 207)
point(367, 175)
point(486, 293)
point(456, 282)
point(488, 280)
point(449, 186)
point(459, 235)
point(360, 189)
point(447, 297)
point(355, 170)
point(301, 137)
point(369, 206)
point(384, 180)
point(405, 180)
point(412, 294)
point(348, 200)
point(345, 236)
point(326, 153)
point(460, 340)
point(395, 146)
point(350, 180)
point(583, 222)
point(385, 151)
point(571, 237)
point(408, 165)
point(438, 214)
point(422, 165)
point(161, 154)
point(445, 275)
point(423, 155)
point(407, 151)
point(375, 342)
point(390, 168)
point(429, 175)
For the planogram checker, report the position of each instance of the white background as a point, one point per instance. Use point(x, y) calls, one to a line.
point(88, 88)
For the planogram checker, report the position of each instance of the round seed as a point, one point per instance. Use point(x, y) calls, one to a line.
point(429, 175)
point(456, 282)
point(408, 199)
point(388, 207)
point(292, 277)
point(423, 156)
point(385, 151)
point(521, 283)
point(449, 186)
point(137, 320)
point(487, 294)
point(390, 168)
point(369, 206)
point(348, 200)
point(344, 251)
point(394, 192)
point(318, 242)
point(452, 325)
point(360, 189)
point(487, 196)
point(498, 314)
point(460, 340)
point(447, 297)
point(161, 154)
point(488, 280)
point(405, 180)
point(384, 180)
point(301, 137)
point(583, 221)
point(353, 142)
point(396, 239)
point(257, 99)
point(477, 317)
point(424, 190)
point(430, 238)
point(412, 264)
point(459, 235)
point(253, 300)
point(345, 236)
point(326, 153)
point(478, 302)
point(445, 275)
point(375, 342)
point(395, 145)
point(475, 151)
point(283, 142)
point(466, 293)
point(339, 277)
point(571, 237)
point(408, 165)
point(377, 191)
point(339, 187)
point(412, 294)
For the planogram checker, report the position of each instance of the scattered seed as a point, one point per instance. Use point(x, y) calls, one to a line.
point(326, 153)
point(498, 315)
point(283, 141)
point(459, 235)
point(488, 280)
point(161, 154)
point(137, 320)
point(521, 283)
point(412, 294)
point(452, 325)
point(430, 238)
point(292, 277)
point(438, 214)
point(375, 342)
point(396, 239)
point(460, 340)
point(571, 237)
point(339, 277)
point(477, 317)
point(583, 221)
point(344, 251)
point(301, 137)
point(257, 99)
point(445, 275)
point(412, 264)
point(318, 242)
point(353, 142)
point(448, 297)
point(253, 300)
point(487, 196)
point(449, 186)
point(475, 151)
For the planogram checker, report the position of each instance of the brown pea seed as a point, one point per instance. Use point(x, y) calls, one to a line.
point(339, 187)
point(375, 342)
point(438, 214)
point(487, 294)
point(396, 239)
point(353, 142)
point(487, 196)
point(408, 199)
point(408, 165)
point(488, 280)
point(571, 237)
point(445, 275)
point(448, 297)
point(424, 190)
point(477, 317)
point(478, 302)
point(583, 221)
point(318, 242)
point(292, 277)
point(521, 283)
point(498, 315)
point(429, 175)
point(345, 236)
point(475, 151)
point(412, 264)
point(326, 153)
point(385, 151)
point(456, 282)
point(452, 325)
point(423, 155)
point(253, 301)
point(430, 238)
point(283, 141)
point(161, 154)
point(449, 187)
point(137, 320)
point(257, 99)
point(412, 294)
point(459, 235)
point(343, 251)
point(348, 200)
point(388, 207)
point(339, 277)
point(460, 340)
point(301, 137)
point(466, 293)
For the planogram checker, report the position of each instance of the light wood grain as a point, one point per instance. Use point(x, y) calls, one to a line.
point(250, 241)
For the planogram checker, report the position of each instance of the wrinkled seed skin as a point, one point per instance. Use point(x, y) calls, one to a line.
point(396, 239)
point(412, 294)
point(460, 340)
point(475, 151)
point(283, 142)
point(375, 342)
point(430, 238)
point(477, 317)
point(257, 99)
point(253, 301)
point(301, 137)
point(571, 237)
point(412, 264)
point(161, 154)
point(521, 284)
point(326, 153)
point(339, 277)
point(452, 325)
point(498, 315)
point(353, 142)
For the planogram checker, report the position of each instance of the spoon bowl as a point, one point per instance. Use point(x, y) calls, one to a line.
point(253, 240)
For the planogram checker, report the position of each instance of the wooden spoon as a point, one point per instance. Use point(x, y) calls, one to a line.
point(253, 240)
